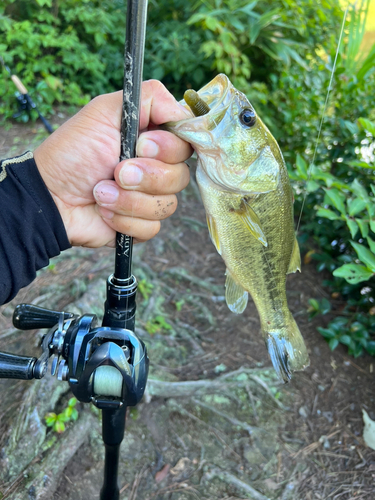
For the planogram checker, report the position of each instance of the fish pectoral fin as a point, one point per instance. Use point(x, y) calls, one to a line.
point(213, 233)
point(235, 295)
point(251, 221)
point(295, 259)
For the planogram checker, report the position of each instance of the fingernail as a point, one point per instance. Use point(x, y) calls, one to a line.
point(106, 193)
point(103, 212)
point(130, 175)
point(147, 148)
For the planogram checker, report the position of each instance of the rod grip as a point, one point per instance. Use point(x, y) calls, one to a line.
point(20, 86)
point(19, 367)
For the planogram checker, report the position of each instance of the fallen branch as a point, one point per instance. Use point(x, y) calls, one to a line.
point(190, 388)
point(262, 383)
point(238, 423)
point(229, 478)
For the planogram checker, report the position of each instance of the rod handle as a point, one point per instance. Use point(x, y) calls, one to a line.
point(19, 367)
point(30, 317)
point(20, 86)
point(46, 123)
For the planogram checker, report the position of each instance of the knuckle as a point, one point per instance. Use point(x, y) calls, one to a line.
point(96, 101)
point(166, 207)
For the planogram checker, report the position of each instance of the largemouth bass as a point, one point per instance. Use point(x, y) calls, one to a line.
point(248, 200)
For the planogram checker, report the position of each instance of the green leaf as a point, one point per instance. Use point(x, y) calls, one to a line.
point(353, 273)
point(333, 343)
point(74, 415)
point(363, 226)
point(370, 347)
point(360, 191)
point(352, 225)
point(301, 166)
point(72, 402)
point(326, 332)
point(59, 427)
point(361, 164)
point(352, 127)
point(371, 244)
point(345, 339)
point(327, 214)
point(336, 199)
point(325, 306)
point(314, 304)
point(212, 23)
point(312, 186)
point(63, 417)
point(68, 412)
point(50, 419)
point(355, 206)
point(367, 125)
point(365, 255)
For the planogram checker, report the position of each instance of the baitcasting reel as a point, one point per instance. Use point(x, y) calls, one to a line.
point(107, 366)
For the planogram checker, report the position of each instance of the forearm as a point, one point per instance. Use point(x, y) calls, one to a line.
point(31, 229)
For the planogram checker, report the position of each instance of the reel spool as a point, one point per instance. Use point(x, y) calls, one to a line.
point(107, 381)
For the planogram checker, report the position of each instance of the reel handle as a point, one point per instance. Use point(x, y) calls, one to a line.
point(30, 317)
point(18, 367)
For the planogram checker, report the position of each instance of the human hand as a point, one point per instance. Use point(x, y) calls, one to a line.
point(79, 161)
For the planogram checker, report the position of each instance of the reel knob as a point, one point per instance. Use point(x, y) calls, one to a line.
point(30, 317)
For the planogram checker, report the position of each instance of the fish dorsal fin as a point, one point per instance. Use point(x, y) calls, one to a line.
point(295, 259)
point(251, 221)
point(235, 296)
point(263, 174)
point(213, 233)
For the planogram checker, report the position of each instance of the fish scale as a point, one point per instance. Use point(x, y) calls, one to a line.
point(248, 200)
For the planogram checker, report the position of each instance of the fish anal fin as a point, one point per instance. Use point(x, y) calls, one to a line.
point(295, 259)
point(235, 295)
point(212, 229)
point(251, 221)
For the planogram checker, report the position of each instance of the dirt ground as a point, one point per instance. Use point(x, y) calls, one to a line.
point(247, 436)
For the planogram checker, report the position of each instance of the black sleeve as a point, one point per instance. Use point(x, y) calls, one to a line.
point(31, 229)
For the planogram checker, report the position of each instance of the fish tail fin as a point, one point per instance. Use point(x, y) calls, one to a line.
point(287, 350)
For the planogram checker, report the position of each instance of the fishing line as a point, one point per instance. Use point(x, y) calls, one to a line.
point(317, 142)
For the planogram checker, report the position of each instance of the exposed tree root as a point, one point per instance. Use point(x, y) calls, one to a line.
point(46, 471)
point(207, 386)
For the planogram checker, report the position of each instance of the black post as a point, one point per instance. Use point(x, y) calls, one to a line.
point(121, 286)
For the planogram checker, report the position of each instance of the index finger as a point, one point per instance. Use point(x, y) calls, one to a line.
point(159, 106)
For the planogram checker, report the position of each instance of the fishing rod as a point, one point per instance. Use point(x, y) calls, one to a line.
point(25, 103)
point(105, 365)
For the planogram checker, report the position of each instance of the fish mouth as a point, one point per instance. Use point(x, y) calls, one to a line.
point(217, 94)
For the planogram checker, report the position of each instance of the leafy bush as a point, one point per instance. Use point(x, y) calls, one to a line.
point(340, 189)
point(63, 51)
point(69, 50)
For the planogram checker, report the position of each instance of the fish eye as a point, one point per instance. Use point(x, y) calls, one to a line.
point(248, 117)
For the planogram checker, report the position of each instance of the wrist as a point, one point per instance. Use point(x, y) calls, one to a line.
point(42, 160)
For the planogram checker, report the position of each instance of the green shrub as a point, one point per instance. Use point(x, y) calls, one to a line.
point(67, 51)
point(338, 190)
